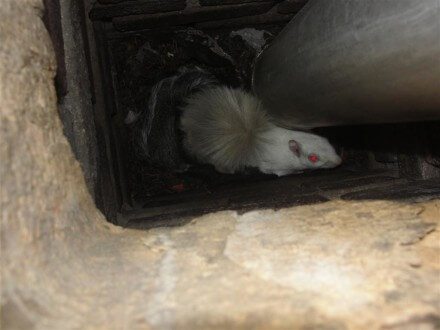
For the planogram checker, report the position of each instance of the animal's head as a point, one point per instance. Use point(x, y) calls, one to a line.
point(289, 151)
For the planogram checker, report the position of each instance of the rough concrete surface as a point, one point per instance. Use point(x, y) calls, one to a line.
point(337, 265)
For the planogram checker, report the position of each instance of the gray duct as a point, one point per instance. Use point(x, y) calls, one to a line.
point(354, 62)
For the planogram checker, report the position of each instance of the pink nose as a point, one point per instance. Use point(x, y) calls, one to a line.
point(341, 153)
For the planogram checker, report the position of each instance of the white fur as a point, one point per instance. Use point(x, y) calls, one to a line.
point(229, 129)
point(278, 159)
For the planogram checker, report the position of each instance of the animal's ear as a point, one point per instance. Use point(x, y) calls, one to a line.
point(294, 147)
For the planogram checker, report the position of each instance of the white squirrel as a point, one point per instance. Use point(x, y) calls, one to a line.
point(230, 129)
point(224, 127)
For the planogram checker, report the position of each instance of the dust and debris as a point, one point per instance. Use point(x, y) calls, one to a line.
point(192, 3)
point(253, 37)
point(141, 61)
point(202, 39)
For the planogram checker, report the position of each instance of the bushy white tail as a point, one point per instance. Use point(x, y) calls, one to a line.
point(224, 127)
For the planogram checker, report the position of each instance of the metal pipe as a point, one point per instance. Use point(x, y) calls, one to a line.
point(354, 62)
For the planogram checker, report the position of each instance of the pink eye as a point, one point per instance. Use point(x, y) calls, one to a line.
point(313, 158)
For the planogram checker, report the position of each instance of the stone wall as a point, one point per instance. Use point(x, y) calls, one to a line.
point(44, 199)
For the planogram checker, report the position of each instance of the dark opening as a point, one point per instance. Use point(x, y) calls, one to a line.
point(141, 42)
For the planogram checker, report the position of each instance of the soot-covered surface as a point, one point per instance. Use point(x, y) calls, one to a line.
point(140, 61)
